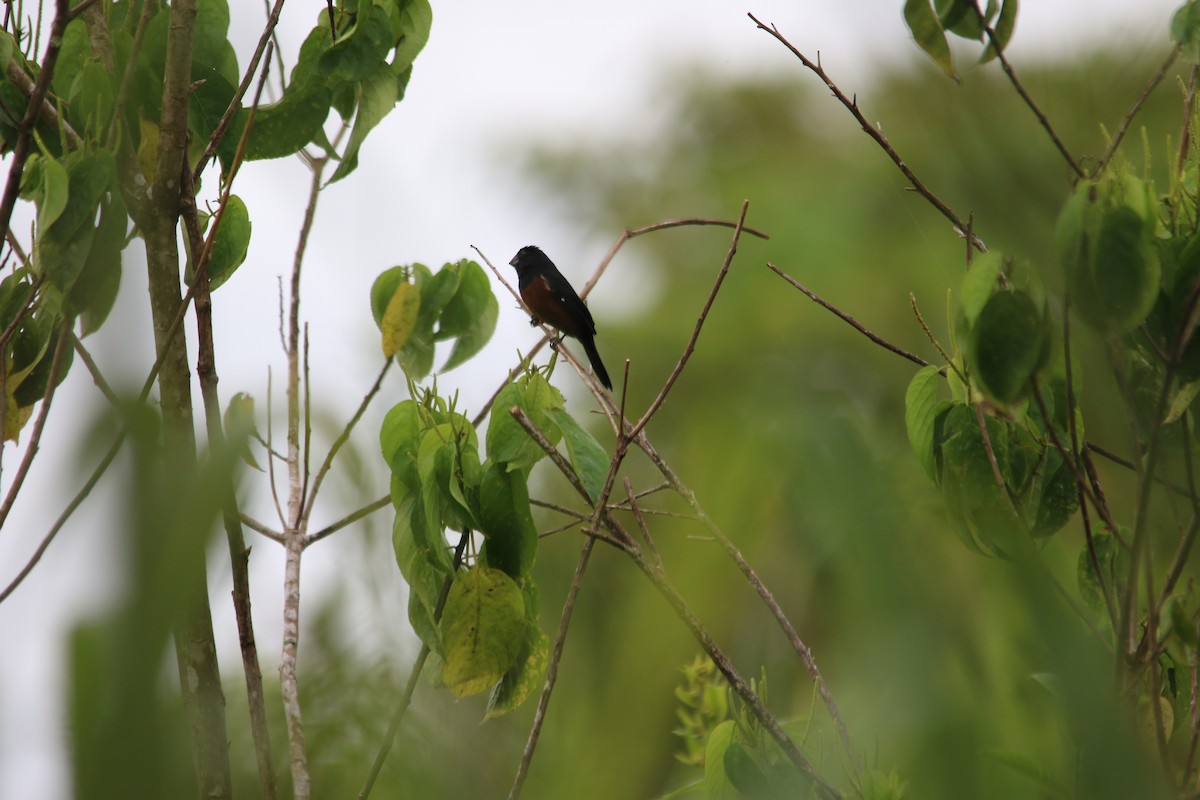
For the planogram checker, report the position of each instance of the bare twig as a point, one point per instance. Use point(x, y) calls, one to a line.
point(254, 525)
point(411, 687)
point(851, 105)
point(343, 437)
point(849, 320)
point(72, 506)
point(349, 519)
point(691, 344)
point(1037, 112)
point(1127, 120)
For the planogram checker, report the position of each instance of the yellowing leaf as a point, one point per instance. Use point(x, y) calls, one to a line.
point(400, 318)
point(483, 630)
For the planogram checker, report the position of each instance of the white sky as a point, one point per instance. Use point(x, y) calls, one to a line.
point(432, 183)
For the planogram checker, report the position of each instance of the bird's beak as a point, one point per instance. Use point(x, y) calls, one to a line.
point(513, 263)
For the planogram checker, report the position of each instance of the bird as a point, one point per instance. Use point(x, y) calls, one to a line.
point(552, 300)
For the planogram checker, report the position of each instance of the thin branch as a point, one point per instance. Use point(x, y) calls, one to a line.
point(76, 501)
point(876, 134)
point(849, 320)
point(1037, 112)
point(343, 437)
point(691, 344)
point(349, 519)
point(560, 639)
point(254, 525)
point(1127, 120)
point(264, 42)
point(411, 687)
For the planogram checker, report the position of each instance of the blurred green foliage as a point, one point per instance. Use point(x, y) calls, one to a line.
point(959, 676)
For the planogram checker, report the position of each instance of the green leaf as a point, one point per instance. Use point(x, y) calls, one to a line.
point(716, 784)
point(437, 289)
point(920, 412)
point(507, 442)
point(978, 284)
point(743, 773)
point(230, 243)
point(1114, 566)
point(590, 460)
point(1125, 273)
point(470, 315)
point(483, 630)
point(977, 505)
point(416, 20)
point(1185, 30)
point(960, 18)
point(927, 31)
point(383, 289)
point(524, 678)
point(378, 95)
point(95, 290)
point(1007, 344)
point(399, 439)
point(1059, 497)
point(63, 247)
point(52, 190)
point(1003, 29)
point(284, 128)
point(362, 49)
point(507, 525)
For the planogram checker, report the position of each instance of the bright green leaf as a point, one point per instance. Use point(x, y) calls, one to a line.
point(524, 678)
point(590, 460)
point(1003, 29)
point(507, 525)
point(231, 242)
point(716, 784)
point(920, 412)
point(378, 95)
point(1185, 30)
point(978, 284)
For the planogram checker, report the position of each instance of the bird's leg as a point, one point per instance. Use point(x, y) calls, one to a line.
point(534, 322)
point(556, 340)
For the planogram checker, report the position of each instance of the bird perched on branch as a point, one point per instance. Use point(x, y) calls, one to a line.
point(550, 298)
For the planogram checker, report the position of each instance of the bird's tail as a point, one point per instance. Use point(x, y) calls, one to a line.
point(589, 347)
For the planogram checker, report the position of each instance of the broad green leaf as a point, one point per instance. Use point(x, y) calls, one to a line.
point(1125, 273)
point(1006, 346)
point(978, 284)
point(743, 772)
point(473, 339)
point(95, 290)
point(74, 51)
point(524, 678)
point(93, 97)
point(378, 95)
point(51, 191)
point(590, 460)
point(716, 784)
point(920, 412)
point(231, 242)
point(1185, 30)
point(507, 442)
point(1003, 29)
point(1114, 566)
point(420, 565)
point(400, 318)
point(469, 316)
point(399, 440)
point(507, 525)
point(959, 17)
point(1059, 497)
point(483, 630)
point(977, 505)
point(362, 49)
point(436, 291)
point(416, 20)
point(927, 31)
point(285, 127)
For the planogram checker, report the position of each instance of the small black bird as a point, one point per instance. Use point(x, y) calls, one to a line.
point(552, 300)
